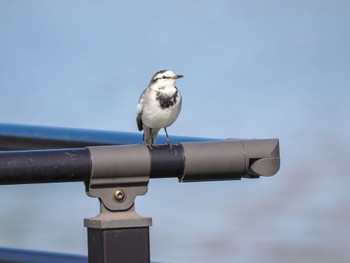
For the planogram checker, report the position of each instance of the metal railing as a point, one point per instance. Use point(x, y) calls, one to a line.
point(116, 173)
point(11, 255)
point(31, 137)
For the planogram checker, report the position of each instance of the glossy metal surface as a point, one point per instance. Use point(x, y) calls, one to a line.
point(30, 137)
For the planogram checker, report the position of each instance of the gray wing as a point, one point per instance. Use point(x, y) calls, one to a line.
point(139, 121)
point(139, 111)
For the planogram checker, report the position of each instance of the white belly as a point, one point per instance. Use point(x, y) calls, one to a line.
point(153, 116)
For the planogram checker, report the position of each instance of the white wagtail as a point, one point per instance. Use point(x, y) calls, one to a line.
point(159, 106)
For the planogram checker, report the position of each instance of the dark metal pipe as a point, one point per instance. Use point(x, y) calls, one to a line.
point(45, 166)
point(201, 161)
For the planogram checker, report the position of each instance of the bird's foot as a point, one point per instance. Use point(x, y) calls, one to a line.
point(169, 143)
point(151, 146)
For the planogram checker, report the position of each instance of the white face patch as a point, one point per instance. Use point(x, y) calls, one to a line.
point(165, 75)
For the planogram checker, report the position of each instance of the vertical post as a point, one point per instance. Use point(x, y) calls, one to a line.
point(118, 233)
point(119, 245)
point(118, 237)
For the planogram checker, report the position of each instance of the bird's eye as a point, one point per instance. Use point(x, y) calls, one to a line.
point(164, 77)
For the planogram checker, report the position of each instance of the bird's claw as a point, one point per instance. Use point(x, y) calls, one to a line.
point(151, 146)
point(148, 145)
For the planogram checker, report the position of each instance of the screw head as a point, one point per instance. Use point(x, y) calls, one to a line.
point(119, 195)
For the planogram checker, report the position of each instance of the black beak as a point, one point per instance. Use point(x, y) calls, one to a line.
point(179, 76)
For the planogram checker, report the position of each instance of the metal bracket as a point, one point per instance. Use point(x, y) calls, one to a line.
point(119, 174)
point(116, 179)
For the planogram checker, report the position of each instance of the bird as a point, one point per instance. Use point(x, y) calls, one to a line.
point(159, 106)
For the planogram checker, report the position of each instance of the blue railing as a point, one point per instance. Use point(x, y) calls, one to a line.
point(31, 137)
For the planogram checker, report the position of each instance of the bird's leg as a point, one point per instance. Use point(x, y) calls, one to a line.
point(147, 137)
point(150, 142)
point(167, 138)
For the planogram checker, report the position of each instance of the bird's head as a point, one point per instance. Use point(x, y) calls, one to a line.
point(163, 79)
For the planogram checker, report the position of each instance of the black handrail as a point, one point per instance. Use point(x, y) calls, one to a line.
point(201, 161)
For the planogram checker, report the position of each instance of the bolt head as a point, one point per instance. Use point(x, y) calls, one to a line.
point(119, 195)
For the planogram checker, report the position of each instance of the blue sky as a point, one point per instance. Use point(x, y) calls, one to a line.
point(253, 69)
